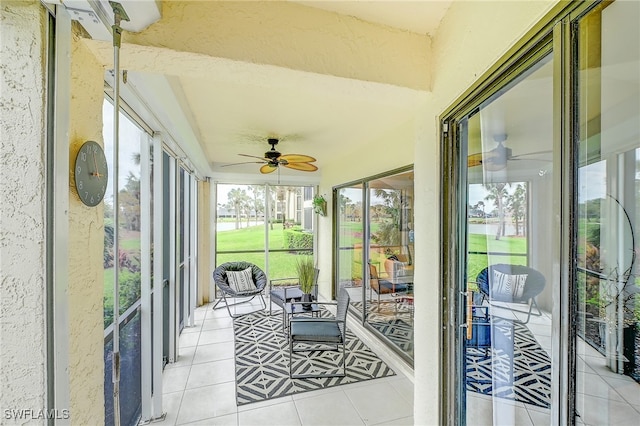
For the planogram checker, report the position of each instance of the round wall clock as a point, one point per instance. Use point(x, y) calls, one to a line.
point(91, 173)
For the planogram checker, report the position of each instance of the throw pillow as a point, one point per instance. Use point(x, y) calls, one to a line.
point(507, 287)
point(241, 281)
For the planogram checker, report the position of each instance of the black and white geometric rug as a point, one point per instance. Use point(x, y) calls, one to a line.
point(262, 361)
point(397, 331)
point(516, 367)
point(392, 323)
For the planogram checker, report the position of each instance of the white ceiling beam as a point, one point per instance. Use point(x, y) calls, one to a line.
point(289, 35)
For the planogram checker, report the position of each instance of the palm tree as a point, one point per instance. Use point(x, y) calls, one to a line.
point(481, 204)
point(343, 202)
point(258, 199)
point(517, 206)
point(237, 200)
point(498, 193)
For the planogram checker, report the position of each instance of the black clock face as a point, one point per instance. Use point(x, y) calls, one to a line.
point(91, 173)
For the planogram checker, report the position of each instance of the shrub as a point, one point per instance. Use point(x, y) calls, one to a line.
point(295, 238)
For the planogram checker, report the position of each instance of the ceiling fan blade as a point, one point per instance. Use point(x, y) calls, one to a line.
point(297, 158)
point(268, 168)
point(513, 157)
point(253, 156)
point(243, 162)
point(305, 167)
point(474, 160)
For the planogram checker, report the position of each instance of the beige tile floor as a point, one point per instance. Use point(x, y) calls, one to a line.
point(602, 396)
point(200, 388)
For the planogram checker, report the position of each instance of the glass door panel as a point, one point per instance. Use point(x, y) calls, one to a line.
point(260, 222)
point(349, 236)
point(608, 199)
point(510, 269)
point(290, 231)
point(390, 271)
point(240, 223)
point(129, 254)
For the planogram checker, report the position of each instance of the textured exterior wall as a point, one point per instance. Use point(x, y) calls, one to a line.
point(86, 242)
point(22, 207)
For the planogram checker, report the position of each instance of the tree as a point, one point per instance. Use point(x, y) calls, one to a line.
point(258, 199)
point(517, 205)
point(129, 201)
point(497, 194)
point(389, 229)
point(343, 202)
point(237, 200)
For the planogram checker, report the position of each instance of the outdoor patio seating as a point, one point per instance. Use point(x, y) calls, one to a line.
point(239, 280)
point(511, 284)
point(320, 335)
point(380, 286)
point(284, 290)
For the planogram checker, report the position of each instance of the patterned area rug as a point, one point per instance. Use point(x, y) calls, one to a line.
point(515, 368)
point(262, 361)
point(397, 330)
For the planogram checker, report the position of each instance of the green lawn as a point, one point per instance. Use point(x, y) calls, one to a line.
point(281, 264)
point(480, 242)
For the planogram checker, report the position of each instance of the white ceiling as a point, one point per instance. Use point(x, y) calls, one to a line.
point(422, 17)
point(313, 115)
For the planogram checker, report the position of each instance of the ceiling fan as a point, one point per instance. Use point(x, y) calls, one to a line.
point(497, 158)
point(272, 160)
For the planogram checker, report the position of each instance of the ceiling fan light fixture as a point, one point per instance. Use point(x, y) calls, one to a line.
point(272, 160)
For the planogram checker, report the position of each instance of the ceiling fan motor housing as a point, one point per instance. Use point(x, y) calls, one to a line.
point(272, 154)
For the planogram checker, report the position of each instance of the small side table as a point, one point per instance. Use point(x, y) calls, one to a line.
point(292, 309)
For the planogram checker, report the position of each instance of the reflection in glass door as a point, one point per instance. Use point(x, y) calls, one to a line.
point(505, 340)
point(349, 242)
point(608, 199)
point(375, 256)
point(389, 296)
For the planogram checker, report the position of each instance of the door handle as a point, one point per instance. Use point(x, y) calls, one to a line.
point(469, 314)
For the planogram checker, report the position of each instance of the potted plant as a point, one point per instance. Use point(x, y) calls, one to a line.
point(306, 277)
point(320, 205)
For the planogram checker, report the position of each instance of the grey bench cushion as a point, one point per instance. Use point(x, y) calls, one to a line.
point(316, 331)
point(293, 293)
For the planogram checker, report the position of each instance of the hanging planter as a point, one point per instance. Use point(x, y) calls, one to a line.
point(320, 205)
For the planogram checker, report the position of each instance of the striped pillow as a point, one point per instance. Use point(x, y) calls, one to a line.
point(507, 287)
point(241, 281)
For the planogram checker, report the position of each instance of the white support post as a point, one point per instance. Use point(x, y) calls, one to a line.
point(145, 279)
point(193, 206)
point(213, 220)
point(173, 261)
point(61, 327)
point(158, 279)
point(186, 234)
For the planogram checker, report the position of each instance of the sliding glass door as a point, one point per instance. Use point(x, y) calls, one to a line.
point(374, 243)
point(510, 261)
point(542, 201)
point(608, 308)
point(349, 231)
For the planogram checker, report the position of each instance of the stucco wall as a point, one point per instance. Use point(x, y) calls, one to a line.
point(22, 208)
point(86, 240)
